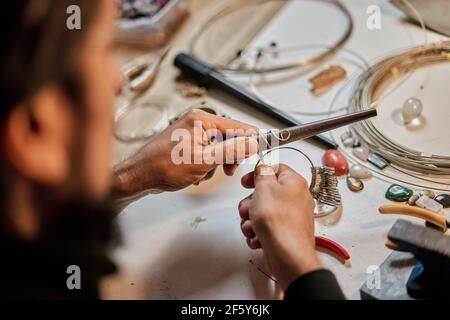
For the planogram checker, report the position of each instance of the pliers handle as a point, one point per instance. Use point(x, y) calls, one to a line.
point(332, 246)
point(403, 209)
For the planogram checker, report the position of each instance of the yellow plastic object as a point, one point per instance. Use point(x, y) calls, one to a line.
point(434, 218)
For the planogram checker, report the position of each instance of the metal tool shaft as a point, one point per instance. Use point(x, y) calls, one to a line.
point(210, 78)
point(288, 135)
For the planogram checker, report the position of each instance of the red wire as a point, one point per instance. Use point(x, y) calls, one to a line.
point(333, 246)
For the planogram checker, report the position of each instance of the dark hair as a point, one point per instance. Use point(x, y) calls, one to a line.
point(37, 49)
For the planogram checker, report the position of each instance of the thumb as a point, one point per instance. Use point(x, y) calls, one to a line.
point(264, 174)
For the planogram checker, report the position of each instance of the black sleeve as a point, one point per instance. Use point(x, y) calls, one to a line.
point(316, 285)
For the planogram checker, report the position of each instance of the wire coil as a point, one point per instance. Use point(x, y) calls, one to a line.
point(371, 85)
point(302, 63)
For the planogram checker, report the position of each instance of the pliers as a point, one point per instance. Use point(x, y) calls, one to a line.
point(435, 219)
point(332, 246)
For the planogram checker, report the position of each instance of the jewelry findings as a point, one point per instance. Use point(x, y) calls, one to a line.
point(327, 79)
point(238, 64)
point(368, 93)
point(323, 185)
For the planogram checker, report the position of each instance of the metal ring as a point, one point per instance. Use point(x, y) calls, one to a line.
point(312, 182)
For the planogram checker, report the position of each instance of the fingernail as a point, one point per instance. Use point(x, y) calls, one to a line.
point(266, 171)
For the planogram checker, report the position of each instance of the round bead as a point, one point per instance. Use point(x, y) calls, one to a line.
point(354, 184)
point(347, 139)
point(334, 159)
point(412, 109)
point(361, 153)
point(359, 172)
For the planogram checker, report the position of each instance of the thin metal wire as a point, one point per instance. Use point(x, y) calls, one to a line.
point(253, 87)
point(371, 84)
point(323, 184)
point(408, 162)
point(302, 63)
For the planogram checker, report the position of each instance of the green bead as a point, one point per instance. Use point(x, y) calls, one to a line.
point(398, 193)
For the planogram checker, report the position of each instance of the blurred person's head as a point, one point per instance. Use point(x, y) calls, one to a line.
point(56, 115)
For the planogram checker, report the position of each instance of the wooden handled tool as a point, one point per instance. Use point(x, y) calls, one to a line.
point(275, 138)
point(434, 218)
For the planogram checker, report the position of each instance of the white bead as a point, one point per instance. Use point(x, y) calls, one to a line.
point(412, 109)
point(357, 171)
point(361, 153)
point(347, 139)
point(429, 204)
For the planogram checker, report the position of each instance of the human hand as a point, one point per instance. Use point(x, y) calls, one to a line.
point(279, 218)
point(161, 165)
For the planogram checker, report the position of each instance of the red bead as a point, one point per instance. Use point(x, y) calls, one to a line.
point(334, 159)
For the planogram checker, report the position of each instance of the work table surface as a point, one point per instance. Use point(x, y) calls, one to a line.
point(165, 257)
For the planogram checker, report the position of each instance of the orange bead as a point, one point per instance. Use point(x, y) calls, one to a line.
point(334, 159)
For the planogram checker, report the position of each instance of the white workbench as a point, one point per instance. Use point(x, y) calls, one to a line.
point(164, 257)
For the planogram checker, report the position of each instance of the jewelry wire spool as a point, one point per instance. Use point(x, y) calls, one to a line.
point(323, 185)
point(272, 50)
point(372, 82)
point(422, 169)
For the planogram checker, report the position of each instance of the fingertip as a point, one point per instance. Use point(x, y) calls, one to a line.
point(248, 180)
point(264, 176)
point(264, 171)
point(252, 244)
point(244, 209)
point(230, 169)
point(248, 242)
point(255, 244)
point(247, 229)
